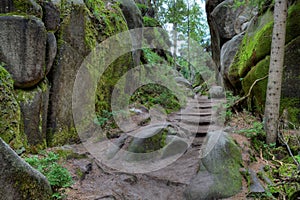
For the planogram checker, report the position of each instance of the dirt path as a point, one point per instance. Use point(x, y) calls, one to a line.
point(94, 180)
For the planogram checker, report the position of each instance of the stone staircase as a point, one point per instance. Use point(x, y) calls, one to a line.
point(168, 170)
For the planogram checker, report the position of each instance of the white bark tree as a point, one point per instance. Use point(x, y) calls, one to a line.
point(273, 94)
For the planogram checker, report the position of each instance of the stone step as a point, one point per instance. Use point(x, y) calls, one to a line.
point(196, 110)
point(194, 130)
point(193, 119)
point(195, 114)
point(197, 131)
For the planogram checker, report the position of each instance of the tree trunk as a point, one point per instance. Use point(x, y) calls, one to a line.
point(275, 71)
point(175, 44)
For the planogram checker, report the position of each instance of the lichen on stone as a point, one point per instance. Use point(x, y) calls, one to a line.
point(10, 112)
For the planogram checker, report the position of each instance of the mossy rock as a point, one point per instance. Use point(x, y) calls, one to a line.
point(256, 44)
point(27, 7)
point(109, 21)
point(10, 117)
point(254, 47)
point(18, 179)
point(34, 111)
point(219, 165)
point(291, 77)
point(64, 136)
point(258, 94)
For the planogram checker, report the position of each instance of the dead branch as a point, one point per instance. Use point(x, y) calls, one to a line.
point(249, 92)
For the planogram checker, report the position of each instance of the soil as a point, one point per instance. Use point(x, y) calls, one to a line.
point(94, 181)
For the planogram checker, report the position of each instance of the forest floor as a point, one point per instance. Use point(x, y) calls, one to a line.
point(94, 180)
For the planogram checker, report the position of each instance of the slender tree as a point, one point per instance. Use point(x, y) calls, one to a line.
point(275, 71)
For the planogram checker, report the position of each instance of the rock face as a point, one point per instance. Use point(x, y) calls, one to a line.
point(34, 106)
point(9, 112)
point(241, 46)
point(70, 55)
point(218, 175)
point(18, 179)
point(51, 16)
point(216, 92)
point(48, 40)
point(225, 22)
point(23, 49)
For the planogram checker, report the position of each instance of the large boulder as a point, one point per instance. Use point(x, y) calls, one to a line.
point(23, 49)
point(218, 175)
point(72, 48)
point(134, 20)
point(51, 51)
point(290, 94)
point(256, 59)
point(228, 52)
point(9, 112)
point(51, 16)
point(34, 107)
point(18, 179)
point(227, 18)
point(225, 21)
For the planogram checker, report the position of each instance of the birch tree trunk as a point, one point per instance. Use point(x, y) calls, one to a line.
point(275, 71)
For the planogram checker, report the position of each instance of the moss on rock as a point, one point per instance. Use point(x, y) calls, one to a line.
point(34, 107)
point(256, 44)
point(253, 57)
point(258, 94)
point(28, 7)
point(9, 113)
point(254, 47)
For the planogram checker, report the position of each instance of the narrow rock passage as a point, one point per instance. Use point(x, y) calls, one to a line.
point(191, 124)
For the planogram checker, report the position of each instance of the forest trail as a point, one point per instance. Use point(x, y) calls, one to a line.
point(98, 181)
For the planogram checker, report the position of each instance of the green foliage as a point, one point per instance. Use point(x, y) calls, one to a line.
point(143, 8)
point(226, 112)
point(186, 17)
point(64, 136)
point(150, 22)
point(152, 57)
point(58, 176)
point(260, 4)
point(152, 94)
point(284, 173)
point(105, 117)
point(150, 144)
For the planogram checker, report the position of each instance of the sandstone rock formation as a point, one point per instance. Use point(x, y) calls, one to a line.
point(241, 44)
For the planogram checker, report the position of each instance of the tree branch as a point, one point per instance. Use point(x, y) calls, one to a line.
point(250, 90)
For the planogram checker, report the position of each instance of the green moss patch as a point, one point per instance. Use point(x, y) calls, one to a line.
point(258, 94)
point(293, 107)
point(28, 7)
point(9, 112)
point(255, 46)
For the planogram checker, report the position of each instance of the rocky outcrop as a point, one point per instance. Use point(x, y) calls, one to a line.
point(34, 107)
point(23, 49)
point(225, 21)
point(18, 179)
point(71, 52)
point(241, 47)
point(9, 112)
point(218, 175)
point(49, 40)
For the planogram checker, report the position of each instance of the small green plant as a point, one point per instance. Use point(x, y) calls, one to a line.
point(297, 157)
point(152, 94)
point(226, 112)
point(58, 176)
